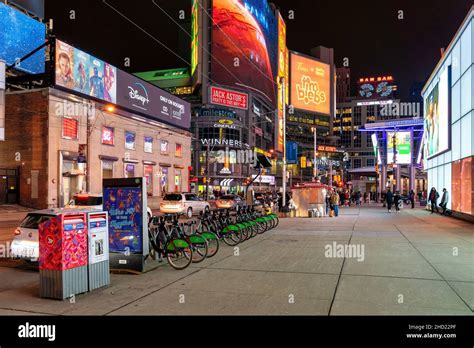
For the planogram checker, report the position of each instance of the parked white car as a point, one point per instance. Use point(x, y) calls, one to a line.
point(25, 244)
point(183, 203)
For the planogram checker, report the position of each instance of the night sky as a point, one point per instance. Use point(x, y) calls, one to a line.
point(368, 32)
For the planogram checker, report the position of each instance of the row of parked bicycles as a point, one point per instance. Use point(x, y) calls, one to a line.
point(183, 243)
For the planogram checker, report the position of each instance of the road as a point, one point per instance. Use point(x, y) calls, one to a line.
point(411, 263)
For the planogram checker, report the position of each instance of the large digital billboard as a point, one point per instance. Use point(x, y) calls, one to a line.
point(20, 35)
point(437, 116)
point(310, 85)
point(84, 73)
point(403, 143)
point(245, 46)
point(88, 75)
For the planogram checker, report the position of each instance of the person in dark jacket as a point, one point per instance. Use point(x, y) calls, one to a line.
point(397, 199)
point(411, 197)
point(433, 199)
point(389, 200)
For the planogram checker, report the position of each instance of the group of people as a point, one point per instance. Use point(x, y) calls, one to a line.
point(395, 199)
point(433, 200)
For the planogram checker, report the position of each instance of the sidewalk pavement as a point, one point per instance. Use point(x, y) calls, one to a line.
point(413, 263)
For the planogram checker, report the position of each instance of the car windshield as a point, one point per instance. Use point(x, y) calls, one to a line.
point(34, 220)
point(228, 198)
point(87, 200)
point(173, 198)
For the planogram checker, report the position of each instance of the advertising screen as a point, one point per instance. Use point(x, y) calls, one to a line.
point(437, 116)
point(19, 35)
point(125, 219)
point(375, 146)
point(310, 85)
point(403, 141)
point(83, 73)
point(245, 45)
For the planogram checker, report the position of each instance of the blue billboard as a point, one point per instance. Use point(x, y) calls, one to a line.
point(20, 35)
point(291, 152)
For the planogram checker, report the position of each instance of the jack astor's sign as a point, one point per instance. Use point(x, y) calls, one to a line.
point(226, 97)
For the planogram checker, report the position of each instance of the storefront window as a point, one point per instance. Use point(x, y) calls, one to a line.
point(179, 150)
point(149, 179)
point(107, 170)
point(108, 136)
point(129, 140)
point(70, 128)
point(164, 148)
point(129, 170)
point(461, 186)
point(177, 180)
point(164, 181)
point(148, 145)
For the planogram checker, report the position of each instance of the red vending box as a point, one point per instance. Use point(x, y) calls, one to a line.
point(63, 256)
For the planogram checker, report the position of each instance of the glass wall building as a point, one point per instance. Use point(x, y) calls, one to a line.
point(449, 121)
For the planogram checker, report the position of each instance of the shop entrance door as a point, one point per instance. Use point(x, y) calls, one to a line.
point(9, 190)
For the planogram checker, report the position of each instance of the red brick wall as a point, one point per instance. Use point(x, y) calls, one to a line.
point(26, 132)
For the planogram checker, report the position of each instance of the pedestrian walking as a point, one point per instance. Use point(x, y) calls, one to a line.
point(335, 203)
point(397, 199)
point(328, 204)
point(444, 201)
point(389, 200)
point(433, 198)
point(411, 197)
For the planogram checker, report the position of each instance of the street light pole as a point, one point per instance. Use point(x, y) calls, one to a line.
point(315, 165)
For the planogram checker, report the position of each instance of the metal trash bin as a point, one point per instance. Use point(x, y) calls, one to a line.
point(99, 265)
point(63, 256)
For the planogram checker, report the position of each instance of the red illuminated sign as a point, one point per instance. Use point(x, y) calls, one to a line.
point(376, 79)
point(220, 96)
point(323, 148)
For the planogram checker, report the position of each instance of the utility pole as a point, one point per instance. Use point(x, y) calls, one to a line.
point(315, 164)
point(207, 171)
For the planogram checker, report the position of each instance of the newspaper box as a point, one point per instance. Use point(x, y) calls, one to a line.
point(63, 256)
point(99, 267)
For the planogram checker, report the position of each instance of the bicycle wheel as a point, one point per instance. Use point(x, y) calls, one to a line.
point(199, 246)
point(179, 253)
point(212, 243)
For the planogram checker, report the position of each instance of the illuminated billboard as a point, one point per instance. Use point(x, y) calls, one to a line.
point(20, 35)
point(310, 87)
point(437, 116)
point(80, 72)
point(403, 143)
point(84, 73)
point(245, 46)
point(282, 73)
point(375, 145)
point(381, 87)
point(195, 36)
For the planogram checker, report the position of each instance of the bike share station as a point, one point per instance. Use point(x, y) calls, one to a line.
point(79, 248)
